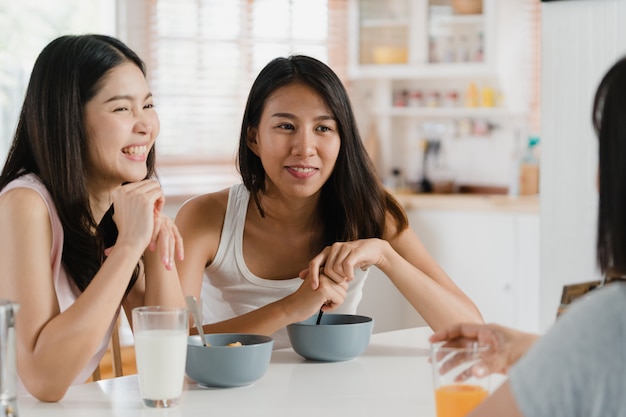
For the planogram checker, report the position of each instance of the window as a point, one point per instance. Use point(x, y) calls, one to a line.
point(28, 26)
point(202, 56)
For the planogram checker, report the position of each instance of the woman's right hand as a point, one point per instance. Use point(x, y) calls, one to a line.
point(507, 345)
point(135, 206)
point(307, 301)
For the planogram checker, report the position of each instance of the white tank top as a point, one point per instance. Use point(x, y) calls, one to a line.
point(65, 289)
point(229, 289)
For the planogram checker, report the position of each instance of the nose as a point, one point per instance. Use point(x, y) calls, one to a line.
point(146, 123)
point(304, 143)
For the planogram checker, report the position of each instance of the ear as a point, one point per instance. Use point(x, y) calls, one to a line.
point(251, 136)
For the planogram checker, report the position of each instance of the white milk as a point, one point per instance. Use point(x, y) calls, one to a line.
point(161, 356)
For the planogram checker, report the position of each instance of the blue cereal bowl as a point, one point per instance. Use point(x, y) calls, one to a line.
point(338, 337)
point(220, 365)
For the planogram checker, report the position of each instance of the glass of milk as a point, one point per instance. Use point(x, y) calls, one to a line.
point(161, 351)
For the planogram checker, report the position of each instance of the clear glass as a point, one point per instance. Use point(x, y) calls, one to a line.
point(161, 352)
point(457, 390)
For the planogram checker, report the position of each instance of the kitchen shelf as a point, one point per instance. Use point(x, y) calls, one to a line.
point(385, 23)
point(422, 71)
point(428, 112)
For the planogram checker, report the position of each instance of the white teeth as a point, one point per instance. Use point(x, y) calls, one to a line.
point(299, 169)
point(135, 150)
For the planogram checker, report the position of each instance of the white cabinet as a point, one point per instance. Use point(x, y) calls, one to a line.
point(419, 38)
point(424, 72)
point(492, 256)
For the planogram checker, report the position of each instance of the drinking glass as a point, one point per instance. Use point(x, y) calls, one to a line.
point(457, 391)
point(161, 351)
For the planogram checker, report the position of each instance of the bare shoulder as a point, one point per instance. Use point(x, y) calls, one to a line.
point(22, 205)
point(391, 227)
point(204, 212)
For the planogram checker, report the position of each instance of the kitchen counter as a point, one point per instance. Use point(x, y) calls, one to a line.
point(182, 183)
point(482, 202)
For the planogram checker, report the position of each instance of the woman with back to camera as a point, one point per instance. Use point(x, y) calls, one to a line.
point(76, 244)
point(310, 202)
point(578, 368)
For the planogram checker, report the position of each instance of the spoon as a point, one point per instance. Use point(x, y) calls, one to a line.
point(319, 317)
point(195, 312)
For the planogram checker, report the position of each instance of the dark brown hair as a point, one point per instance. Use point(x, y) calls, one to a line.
point(353, 202)
point(609, 121)
point(51, 141)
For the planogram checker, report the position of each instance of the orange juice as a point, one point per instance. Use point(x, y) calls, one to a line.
point(458, 400)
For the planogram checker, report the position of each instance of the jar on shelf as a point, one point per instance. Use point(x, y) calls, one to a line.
point(416, 98)
point(433, 99)
point(451, 99)
point(400, 98)
point(467, 6)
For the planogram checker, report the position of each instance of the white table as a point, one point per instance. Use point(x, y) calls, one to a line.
point(392, 378)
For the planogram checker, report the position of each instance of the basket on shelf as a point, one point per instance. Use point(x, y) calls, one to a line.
point(467, 6)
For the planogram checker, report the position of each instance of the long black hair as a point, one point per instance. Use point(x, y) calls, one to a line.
point(353, 202)
point(609, 120)
point(51, 141)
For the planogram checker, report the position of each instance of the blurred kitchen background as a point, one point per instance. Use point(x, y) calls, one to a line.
point(475, 112)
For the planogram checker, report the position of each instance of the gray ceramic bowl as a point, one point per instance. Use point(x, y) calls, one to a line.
point(228, 366)
point(338, 337)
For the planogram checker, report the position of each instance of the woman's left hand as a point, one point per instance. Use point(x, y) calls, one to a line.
point(166, 239)
point(341, 258)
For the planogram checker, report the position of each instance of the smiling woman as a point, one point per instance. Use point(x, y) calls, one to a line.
point(77, 195)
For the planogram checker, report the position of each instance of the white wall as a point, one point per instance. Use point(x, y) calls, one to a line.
point(580, 41)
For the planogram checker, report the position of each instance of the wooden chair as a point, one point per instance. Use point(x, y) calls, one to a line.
point(116, 354)
point(574, 291)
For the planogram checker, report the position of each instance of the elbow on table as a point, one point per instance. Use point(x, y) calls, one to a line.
point(47, 391)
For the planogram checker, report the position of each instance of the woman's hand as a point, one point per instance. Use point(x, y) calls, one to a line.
point(307, 301)
point(339, 260)
point(167, 240)
point(140, 222)
point(506, 346)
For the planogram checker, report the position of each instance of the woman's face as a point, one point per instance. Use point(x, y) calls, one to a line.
point(297, 141)
point(121, 125)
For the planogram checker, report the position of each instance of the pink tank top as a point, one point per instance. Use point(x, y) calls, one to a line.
point(66, 291)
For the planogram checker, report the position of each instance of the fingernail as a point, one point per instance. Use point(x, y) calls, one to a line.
point(480, 371)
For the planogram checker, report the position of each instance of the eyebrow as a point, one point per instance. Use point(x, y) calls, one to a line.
point(291, 116)
point(125, 97)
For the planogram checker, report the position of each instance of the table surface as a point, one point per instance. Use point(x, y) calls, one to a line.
point(392, 376)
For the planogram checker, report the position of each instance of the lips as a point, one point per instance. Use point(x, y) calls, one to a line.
point(304, 170)
point(135, 150)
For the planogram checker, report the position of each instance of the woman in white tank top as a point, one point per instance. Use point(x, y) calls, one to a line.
point(311, 212)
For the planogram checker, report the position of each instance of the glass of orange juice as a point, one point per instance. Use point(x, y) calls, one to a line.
point(457, 391)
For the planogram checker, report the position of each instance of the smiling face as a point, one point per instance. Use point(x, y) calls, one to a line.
point(297, 141)
point(121, 126)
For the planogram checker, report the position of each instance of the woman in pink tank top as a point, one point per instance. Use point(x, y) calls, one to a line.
point(80, 210)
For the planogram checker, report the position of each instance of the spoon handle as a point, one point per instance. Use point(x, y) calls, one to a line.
point(319, 317)
point(195, 313)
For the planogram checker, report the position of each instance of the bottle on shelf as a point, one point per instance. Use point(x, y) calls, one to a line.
point(471, 95)
point(529, 169)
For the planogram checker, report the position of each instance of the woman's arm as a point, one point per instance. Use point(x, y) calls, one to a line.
point(407, 263)
point(53, 347)
point(424, 284)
